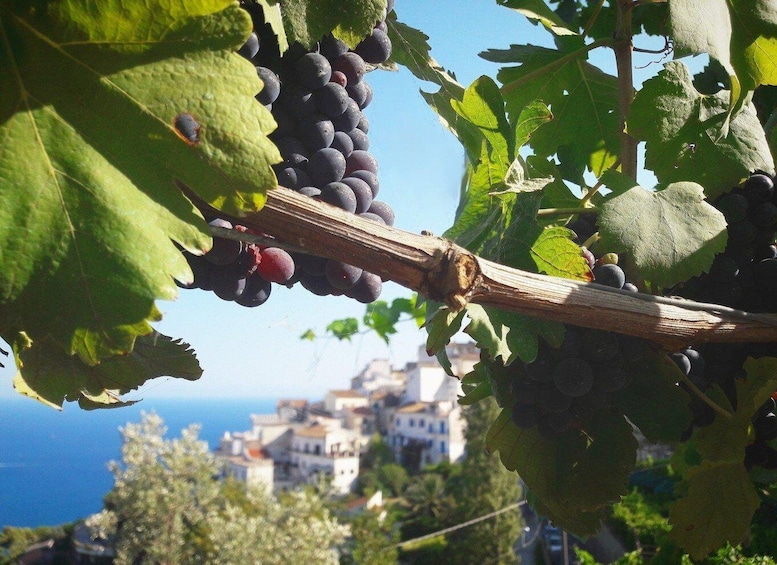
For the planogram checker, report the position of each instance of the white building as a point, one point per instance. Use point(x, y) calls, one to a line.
point(379, 375)
point(337, 402)
point(428, 427)
point(329, 450)
point(246, 461)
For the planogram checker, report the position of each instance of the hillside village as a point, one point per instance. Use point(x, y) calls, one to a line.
point(414, 409)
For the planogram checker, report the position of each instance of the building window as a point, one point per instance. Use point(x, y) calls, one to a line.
point(307, 448)
point(317, 449)
point(431, 428)
point(421, 423)
point(442, 427)
point(412, 423)
point(396, 421)
point(442, 447)
point(429, 443)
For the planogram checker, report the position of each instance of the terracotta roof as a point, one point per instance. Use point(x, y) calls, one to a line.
point(347, 394)
point(294, 403)
point(312, 431)
point(362, 411)
point(413, 408)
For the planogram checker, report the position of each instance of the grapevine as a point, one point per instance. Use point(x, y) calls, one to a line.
point(599, 305)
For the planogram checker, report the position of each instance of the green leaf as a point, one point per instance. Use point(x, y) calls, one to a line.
point(102, 107)
point(343, 329)
point(381, 319)
point(672, 235)
point(539, 11)
point(701, 522)
point(574, 475)
point(583, 99)
point(699, 28)
point(307, 21)
point(483, 107)
point(476, 386)
point(652, 401)
point(273, 17)
point(308, 335)
point(689, 136)
point(508, 335)
point(52, 377)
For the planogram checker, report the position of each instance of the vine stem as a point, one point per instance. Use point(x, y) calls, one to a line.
point(560, 62)
point(704, 398)
point(566, 211)
point(440, 270)
point(623, 61)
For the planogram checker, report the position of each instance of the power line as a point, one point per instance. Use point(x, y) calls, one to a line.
point(464, 524)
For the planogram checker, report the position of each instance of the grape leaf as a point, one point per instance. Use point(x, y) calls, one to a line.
point(685, 134)
point(307, 21)
point(702, 523)
point(47, 374)
point(672, 234)
point(343, 329)
point(739, 34)
point(539, 11)
point(652, 401)
point(271, 10)
point(705, 27)
point(574, 475)
point(158, 88)
point(583, 100)
point(699, 525)
point(483, 107)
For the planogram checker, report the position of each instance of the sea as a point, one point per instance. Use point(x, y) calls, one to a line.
point(54, 464)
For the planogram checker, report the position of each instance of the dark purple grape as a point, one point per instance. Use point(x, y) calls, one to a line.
point(340, 195)
point(525, 416)
point(271, 86)
point(317, 285)
point(250, 48)
point(277, 265)
point(553, 400)
point(362, 192)
point(331, 100)
point(315, 131)
point(372, 217)
point(256, 292)
point(758, 188)
point(599, 346)
point(370, 179)
point(367, 290)
point(383, 210)
point(343, 143)
point(224, 251)
point(364, 124)
point(313, 70)
point(297, 101)
point(741, 233)
point(611, 377)
point(286, 123)
point(682, 362)
point(734, 207)
point(360, 139)
point(349, 118)
point(764, 216)
point(311, 264)
point(609, 275)
point(226, 286)
point(360, 160)
point(361, 92)
point(351, 65)
point(326, 165)
point(338, 77)
point(331, 47)
point(293, 178)
point(573, 376)
point(375, 48)
point(342, 275)
point(555, 422)
point(292, 150)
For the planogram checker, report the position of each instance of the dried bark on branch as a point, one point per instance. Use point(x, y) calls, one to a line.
point(443, 271)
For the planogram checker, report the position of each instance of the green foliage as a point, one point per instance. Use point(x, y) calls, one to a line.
point(307, 21)
point(394, 476)
point(690, 136)
point(374, 540)
point(167, 506)
point(90, 242)
point(15, 541)
point(672, 234)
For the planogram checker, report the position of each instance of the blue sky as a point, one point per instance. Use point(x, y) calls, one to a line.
point(256, 352)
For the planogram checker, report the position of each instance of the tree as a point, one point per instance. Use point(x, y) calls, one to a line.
point(374, 539)
point(549, 203)
point(484, 486)
point(168, 506)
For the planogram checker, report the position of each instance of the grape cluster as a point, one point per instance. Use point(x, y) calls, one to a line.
point(317, 98)
point(564, 386)
point(762, 451)
point(744, 276)
point(238, 271)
